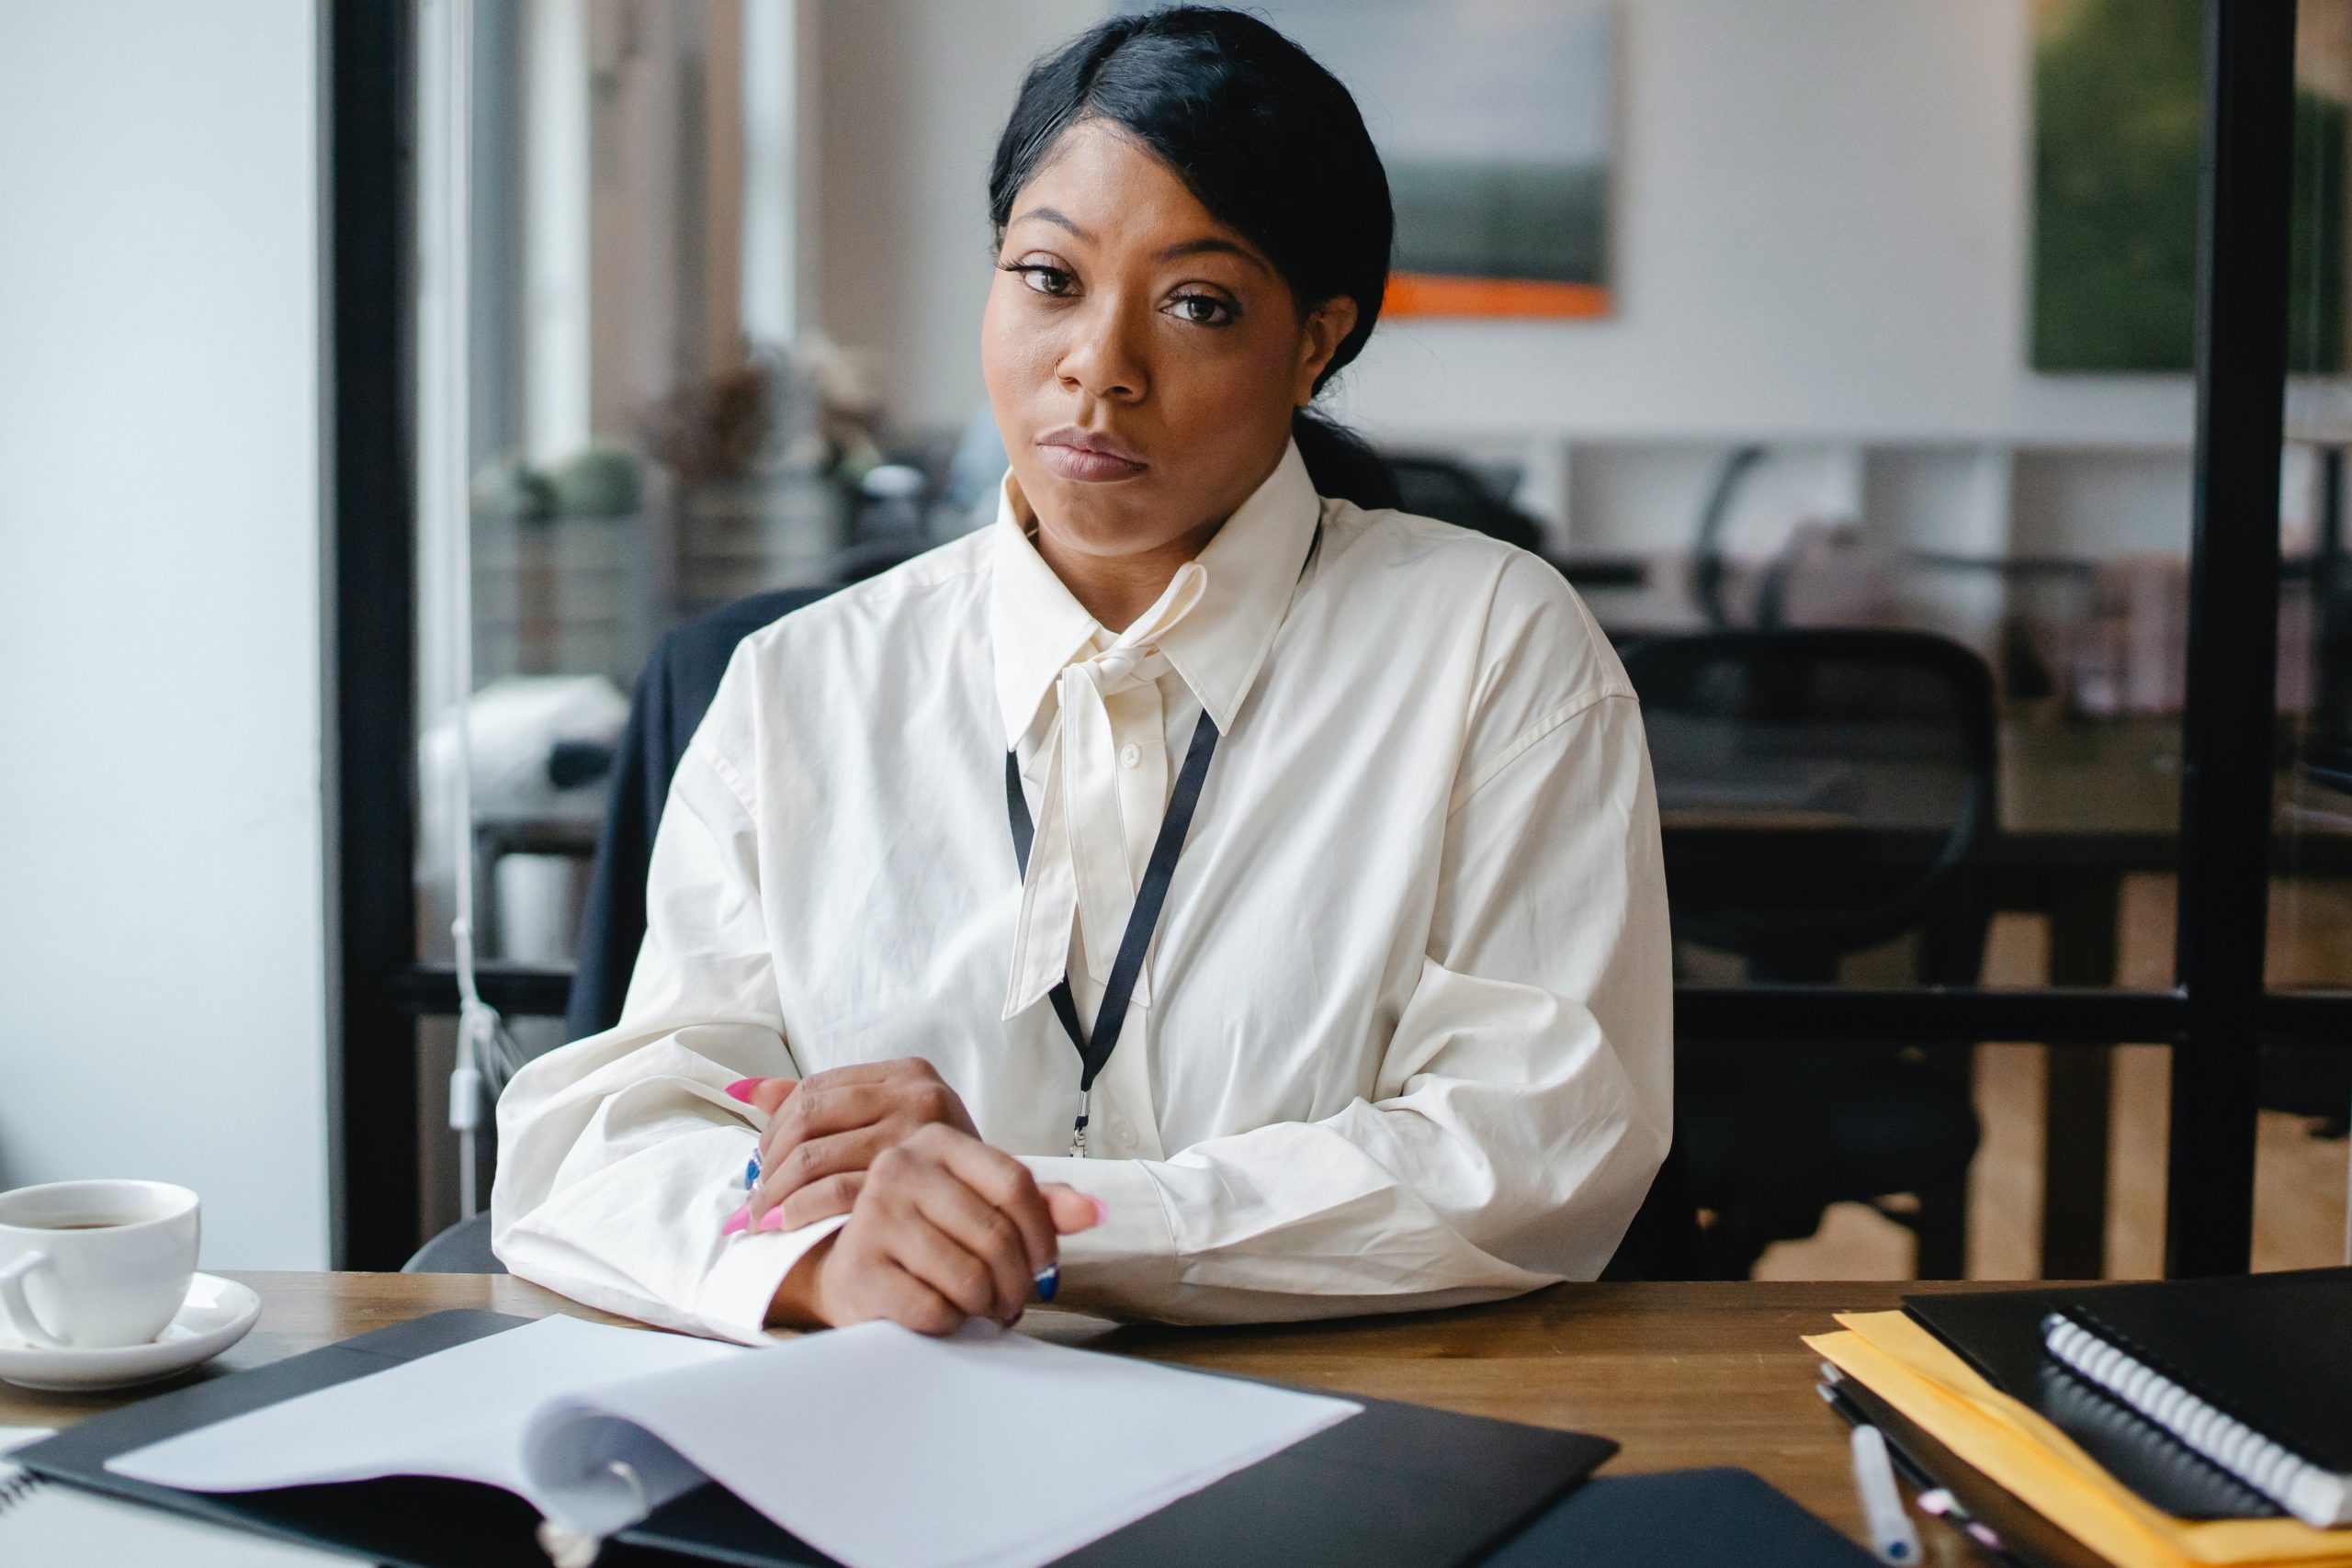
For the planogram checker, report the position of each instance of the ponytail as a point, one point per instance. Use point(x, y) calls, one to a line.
point(1342, 463)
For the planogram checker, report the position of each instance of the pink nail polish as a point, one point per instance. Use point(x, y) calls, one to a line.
point(742, 1089)
point(773, 1220)
point(1102, 1211)
point(735, 1221)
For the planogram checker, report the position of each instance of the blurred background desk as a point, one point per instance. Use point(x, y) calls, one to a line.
point(2082, 804)
point(1680, 1374)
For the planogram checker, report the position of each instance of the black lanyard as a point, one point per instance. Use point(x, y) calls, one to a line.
point(1095, 1049)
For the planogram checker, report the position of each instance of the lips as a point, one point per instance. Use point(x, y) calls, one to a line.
point(1090, 457)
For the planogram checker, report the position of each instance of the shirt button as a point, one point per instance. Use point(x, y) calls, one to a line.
point(1124, 1134)
point(1130, 754)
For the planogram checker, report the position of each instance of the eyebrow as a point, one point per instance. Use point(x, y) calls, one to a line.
point(1206, 245)
point(1210, 245)
point(1054, 215)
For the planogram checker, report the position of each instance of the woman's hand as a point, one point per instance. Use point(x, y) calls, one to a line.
point(824, 1132)
point(945, 1228)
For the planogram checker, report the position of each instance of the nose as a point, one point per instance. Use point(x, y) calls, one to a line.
point(1103, 359)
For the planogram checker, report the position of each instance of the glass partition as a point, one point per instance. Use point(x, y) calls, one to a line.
point(2306, 1084)
point(1843, 361)
point(1829, 331)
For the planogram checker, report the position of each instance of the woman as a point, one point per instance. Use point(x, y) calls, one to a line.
point(1236, 895)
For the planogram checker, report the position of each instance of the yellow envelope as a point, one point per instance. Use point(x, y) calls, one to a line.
point(1911, 1368)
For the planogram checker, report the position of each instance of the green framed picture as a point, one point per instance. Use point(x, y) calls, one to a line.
point(2119, 113)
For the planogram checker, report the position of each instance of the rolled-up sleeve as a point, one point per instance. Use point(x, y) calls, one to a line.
point(1524, 1098)
point(621, 1155)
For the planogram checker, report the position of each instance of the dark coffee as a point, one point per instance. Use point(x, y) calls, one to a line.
point(73, 1225)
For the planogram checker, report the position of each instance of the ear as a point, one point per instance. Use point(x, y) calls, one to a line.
point(1319, 337)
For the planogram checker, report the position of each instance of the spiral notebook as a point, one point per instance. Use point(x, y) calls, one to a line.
point(2255, 1374)
point(2210, 1398)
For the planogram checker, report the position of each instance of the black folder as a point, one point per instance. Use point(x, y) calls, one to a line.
point(1397, 1487)
point(2026, 1537)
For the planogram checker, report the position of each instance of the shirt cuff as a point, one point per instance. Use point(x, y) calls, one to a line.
point(742, 1285)
point(1127, 1265)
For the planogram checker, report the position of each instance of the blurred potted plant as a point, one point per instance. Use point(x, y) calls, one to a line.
point(765, 455)
point(558, 557)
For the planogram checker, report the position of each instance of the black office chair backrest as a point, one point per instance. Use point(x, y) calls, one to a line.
point(1452, 492)
point(1824, 791)
point(672, 694)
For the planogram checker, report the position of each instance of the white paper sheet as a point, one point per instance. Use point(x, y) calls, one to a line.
point(879, 1447)
point(885, 1450)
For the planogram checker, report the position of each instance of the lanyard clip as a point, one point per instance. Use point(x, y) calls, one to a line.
point(1078, 1137)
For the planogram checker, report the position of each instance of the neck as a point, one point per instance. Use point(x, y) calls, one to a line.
point(1118, 590)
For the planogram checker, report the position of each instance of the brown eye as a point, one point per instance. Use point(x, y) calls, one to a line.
point(1202, 310)
point(1052, 281)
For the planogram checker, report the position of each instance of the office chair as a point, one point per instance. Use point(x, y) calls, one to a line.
point(1824, 793)
point(1453, 491)
point(672, 694)
point(1664, 1241)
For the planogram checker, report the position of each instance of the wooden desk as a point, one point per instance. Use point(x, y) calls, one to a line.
point(1680, 1375)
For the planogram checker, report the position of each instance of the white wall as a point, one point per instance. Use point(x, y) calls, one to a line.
point(161, 1009)
point(910, 98)
point(1823, 224)
point(1822, 227)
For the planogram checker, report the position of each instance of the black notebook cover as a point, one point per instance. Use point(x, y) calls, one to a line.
point(2266, 1347)
point(1680, 1518)
point(1397, 1487)
point(1999, 1333)
point(2274, 1350)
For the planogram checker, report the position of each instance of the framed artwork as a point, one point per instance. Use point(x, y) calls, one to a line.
point(1497, 121)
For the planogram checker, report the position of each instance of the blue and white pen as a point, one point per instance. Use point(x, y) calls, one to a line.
point(740, 1090)
point(1892, 1538)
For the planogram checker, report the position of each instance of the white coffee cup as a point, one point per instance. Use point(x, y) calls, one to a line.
point(93, 1265)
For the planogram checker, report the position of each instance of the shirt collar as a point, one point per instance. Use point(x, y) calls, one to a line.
point(1251, 568)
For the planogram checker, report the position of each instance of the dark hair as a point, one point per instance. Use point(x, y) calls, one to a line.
point(1265, 139)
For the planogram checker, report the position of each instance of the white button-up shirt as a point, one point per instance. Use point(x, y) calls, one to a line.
point(1403, 1038)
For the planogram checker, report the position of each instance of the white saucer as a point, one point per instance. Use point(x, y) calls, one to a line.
point(216, 1315)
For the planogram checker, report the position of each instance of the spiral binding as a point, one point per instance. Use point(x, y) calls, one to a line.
point(2238, 1448)
point(15, 1487)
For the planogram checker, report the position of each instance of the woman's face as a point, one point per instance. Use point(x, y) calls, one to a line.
point(1142, 359)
